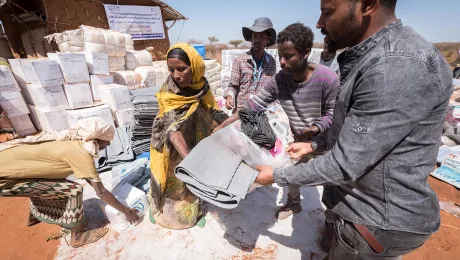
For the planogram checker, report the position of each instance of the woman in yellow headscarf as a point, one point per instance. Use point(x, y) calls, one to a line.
point(186, 116)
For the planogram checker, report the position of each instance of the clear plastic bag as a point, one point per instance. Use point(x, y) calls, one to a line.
point(252, 154)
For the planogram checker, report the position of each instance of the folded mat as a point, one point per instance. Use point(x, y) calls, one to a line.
point(223, 181)
point(145, 109)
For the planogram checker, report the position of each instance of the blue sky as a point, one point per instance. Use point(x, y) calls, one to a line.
point(433, 19)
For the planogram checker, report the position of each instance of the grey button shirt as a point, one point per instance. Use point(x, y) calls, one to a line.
point(395, 89)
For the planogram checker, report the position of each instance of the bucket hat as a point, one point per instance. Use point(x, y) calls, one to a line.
point(261, 24)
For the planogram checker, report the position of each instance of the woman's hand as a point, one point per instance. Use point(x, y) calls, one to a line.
point(178, 141)
point(227, 122)
point(131, 215)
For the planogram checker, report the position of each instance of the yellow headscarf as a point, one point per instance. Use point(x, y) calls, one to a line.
point(169, 101)
point(159, 160)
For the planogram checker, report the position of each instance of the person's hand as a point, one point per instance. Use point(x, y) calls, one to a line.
point(299, 150)
point(131, 215)
point(229, 103)
point(312, 131)
point(265, 176)
point(218, 128)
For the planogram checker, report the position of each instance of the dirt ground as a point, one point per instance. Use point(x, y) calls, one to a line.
point(22, 242)
point(445, 243)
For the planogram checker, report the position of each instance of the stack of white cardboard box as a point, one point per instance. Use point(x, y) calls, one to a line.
point(77, 88)
point(43, 92)
point(13, 104)
point(58, 91)
point(117, 97)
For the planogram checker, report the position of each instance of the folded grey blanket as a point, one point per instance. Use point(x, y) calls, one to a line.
point(215, 173)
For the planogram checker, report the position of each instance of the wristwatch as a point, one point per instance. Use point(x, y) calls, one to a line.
point(314, 145)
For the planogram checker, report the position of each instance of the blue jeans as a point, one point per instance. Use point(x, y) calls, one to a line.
point(348, 244)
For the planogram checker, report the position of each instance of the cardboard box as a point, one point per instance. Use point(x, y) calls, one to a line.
point(98, 63)
point(102, 111)
point(34, 117)
point(132, 198)
point(96, 81)
point(52, 120)
point(18, 70)
point(7, 81)
point(43, 73)
point(73, 66)
point(48, 98)
point(13, 104)
point(116, 96)
point(16, 67)
point(78, 95)
point(23, 125)
point(26, 93)
point(124, 117)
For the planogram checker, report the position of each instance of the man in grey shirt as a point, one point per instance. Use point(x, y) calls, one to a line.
point(389, 113)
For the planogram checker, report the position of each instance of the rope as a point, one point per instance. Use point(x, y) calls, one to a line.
point(180, 31)
point(257, 128)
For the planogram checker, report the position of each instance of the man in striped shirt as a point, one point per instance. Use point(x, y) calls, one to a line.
point(307, 93)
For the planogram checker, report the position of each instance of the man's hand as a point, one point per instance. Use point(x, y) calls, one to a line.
point(312, 131)
point(229, 104)
point(131, 215)
point(265, 176)
point(299, 150)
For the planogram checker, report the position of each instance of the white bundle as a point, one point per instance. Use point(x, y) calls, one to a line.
point(93, 39)
point(213, 79)
point(69, 41)
point(211, 64)
point(161, 75)
point(120, 44)
point(136, 59)
point(213, 72)
point(160, 64)
point(128, 78)
point(116, 63)
point(129, 42)
point(148, 76)
point(215, 85)
point(104, 41)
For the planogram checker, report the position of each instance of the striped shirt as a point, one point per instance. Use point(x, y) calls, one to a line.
point(308, 103)
point(242, 78)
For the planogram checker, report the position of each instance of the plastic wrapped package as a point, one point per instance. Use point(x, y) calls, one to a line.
point(93, 35)
point(69, 41)
point(120, 44)
point(117, 61)
point(210, 64)
point(161, 75)
point(95, 47)
point(148, 76)
point(128, 78)
point(160, 64)
point(129, 42)
point(254, 155)
point(134, 59)
point(116, 68)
